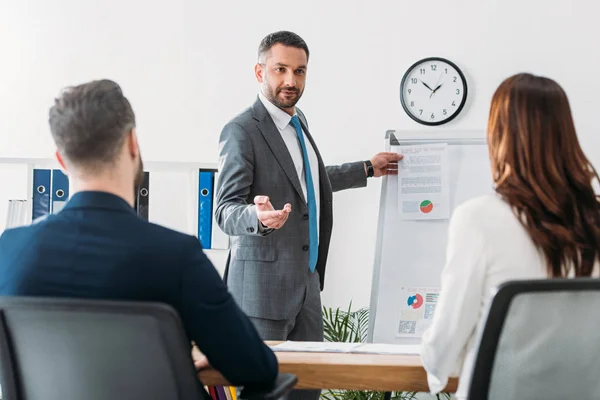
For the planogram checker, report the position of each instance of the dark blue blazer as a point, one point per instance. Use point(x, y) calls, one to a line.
point(98, 248)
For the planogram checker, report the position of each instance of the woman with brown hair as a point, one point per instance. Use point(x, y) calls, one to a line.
point(543, 221)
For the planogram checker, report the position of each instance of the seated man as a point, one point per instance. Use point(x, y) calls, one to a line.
point(98, 248)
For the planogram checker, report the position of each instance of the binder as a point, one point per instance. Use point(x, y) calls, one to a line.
point(60, 190)
point(41, 194)
point(221, 392)
point(142, 197)
point(22, 212)
point(10, 215)
point(228, 394)
point(233, 391)
point(219, 240)
point(17, 213)
point(205, 201)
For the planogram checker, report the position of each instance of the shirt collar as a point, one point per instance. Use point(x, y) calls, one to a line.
point(98, 199)
point(280, 117)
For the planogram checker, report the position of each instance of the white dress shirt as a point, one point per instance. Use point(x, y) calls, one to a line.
point(288, 133)
point(486, 247)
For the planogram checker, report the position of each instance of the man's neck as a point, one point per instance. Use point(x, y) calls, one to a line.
point(126, 192)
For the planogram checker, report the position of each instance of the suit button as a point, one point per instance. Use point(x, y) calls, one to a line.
point(250, 230)
point(305, 247)
point(305, 216)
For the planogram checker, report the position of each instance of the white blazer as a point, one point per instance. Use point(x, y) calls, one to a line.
point(486, 247)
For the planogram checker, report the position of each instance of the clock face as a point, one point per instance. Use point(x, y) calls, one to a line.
point(433, 91)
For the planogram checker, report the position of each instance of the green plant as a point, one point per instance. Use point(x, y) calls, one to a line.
point(351, 326)
point(345, 326)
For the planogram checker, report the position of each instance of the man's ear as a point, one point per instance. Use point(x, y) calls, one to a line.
point(132, 144)
point(61, 162)
point(258, 72)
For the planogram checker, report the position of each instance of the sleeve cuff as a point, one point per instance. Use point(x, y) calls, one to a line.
point(263, 230)
point(436, 385)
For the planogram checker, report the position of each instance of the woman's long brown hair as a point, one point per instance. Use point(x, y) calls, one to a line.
point(540, 170)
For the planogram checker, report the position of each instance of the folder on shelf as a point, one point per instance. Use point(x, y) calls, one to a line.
point(142, 197)
point(233, 391)
point(205, 202)
point(17, 213)
point(41, 194)
point(220, 240)
point(221, 392)
point(60, 190)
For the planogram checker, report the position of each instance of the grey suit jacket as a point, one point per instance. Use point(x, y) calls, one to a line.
point(267, 271)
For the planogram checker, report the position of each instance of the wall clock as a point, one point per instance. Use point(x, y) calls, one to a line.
point(433, 91)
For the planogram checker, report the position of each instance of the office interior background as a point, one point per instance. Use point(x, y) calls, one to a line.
point(187, 68)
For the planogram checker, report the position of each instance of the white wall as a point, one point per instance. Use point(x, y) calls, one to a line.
point(187, 66)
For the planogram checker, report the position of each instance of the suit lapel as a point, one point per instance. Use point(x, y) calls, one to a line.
point(271, 134)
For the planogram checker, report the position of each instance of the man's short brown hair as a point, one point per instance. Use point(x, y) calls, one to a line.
point(89, 122)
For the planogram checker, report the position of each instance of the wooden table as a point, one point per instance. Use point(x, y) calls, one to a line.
point(379, 372)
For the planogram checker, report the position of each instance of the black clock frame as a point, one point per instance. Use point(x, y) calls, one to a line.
point(460, 106)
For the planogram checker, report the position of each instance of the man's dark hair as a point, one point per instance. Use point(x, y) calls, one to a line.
point(89, 122)
point(285, 38)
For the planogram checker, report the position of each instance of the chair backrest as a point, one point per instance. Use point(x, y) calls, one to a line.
point(67, 349)
point(541, 340)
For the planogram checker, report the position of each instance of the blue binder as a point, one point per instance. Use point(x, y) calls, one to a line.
point(41, 193)
point(142, 198)
point(60, 190)
point(220, 240)
point(205, 201)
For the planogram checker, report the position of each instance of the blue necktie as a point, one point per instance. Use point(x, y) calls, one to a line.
point(311, 202)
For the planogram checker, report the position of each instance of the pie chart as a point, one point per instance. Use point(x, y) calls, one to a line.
point(426, 206)
point(415, 301)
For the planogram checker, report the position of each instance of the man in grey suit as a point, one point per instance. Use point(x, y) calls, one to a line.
point(268, 159)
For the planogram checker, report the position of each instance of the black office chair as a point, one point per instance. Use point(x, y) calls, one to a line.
point(73, 349)
point(540, 341)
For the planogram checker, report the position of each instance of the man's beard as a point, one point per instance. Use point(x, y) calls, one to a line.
point(272, 95)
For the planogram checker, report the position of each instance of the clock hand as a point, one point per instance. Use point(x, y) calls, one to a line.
point(439, 78)
point(427, 86)
point(438, 84)
point(435, 90)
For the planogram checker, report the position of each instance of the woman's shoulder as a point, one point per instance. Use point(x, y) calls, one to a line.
point(482, 208)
